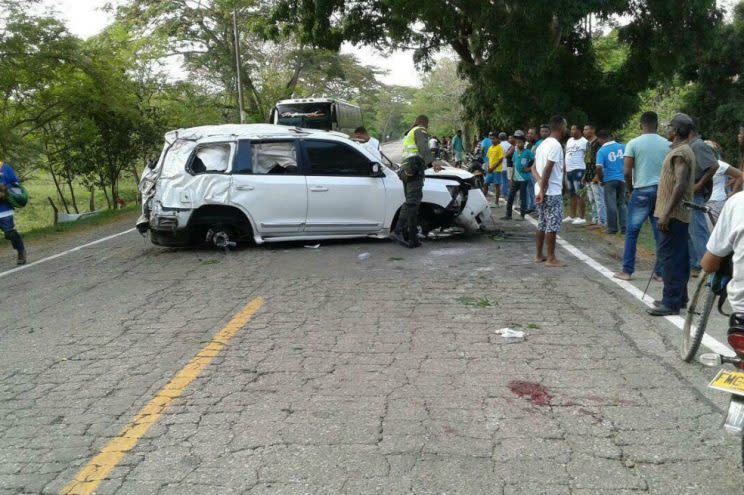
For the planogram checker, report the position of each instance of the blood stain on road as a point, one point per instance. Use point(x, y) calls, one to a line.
point(535, 392)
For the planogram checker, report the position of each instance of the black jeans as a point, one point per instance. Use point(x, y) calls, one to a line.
point(407, 224)
point(674, 260)
point(7, 226)
point(521, 187)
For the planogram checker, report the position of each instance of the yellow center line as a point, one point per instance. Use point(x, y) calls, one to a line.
point(95, 472)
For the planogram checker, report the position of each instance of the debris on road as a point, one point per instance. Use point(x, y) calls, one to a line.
point(363, 256)
point(312, 246)
point(510, 335)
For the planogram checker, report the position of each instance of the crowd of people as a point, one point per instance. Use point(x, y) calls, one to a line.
point(617, 187)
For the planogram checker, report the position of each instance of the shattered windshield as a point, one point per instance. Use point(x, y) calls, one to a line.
point(305, 115)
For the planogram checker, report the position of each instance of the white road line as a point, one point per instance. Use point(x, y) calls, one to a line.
point(679, 322)
point(64, 253)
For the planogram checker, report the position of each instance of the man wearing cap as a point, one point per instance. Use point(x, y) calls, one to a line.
point(9, 178)
point(706, 167)
point(676, 183)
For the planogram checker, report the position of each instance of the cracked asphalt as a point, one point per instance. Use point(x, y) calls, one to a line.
point(355, 377)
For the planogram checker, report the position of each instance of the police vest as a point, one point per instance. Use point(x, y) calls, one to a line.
point(409, 143)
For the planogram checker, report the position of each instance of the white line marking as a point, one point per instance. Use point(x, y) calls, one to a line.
point(64, 253)
point(679, 322)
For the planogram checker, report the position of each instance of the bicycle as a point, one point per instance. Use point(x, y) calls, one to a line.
point(709, 287)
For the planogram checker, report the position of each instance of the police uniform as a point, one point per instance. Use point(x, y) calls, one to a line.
point(416, 158)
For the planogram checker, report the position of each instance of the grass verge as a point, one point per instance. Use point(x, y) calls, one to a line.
point(103, 218)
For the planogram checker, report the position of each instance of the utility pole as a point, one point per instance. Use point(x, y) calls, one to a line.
point(237, 66)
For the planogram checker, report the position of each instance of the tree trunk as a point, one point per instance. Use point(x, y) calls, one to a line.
point(72, 193)
point(102, 184)
point(59, 189)
point(92, 204)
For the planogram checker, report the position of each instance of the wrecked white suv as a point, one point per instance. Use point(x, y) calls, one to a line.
point(266, 183)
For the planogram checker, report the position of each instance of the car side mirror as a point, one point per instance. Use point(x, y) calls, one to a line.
point(376, 170)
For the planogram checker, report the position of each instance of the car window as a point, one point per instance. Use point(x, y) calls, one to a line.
point(337, 159)
point(177, 157)
point(274, 158)
point(211, 158)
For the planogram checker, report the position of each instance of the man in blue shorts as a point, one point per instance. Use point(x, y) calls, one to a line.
point(576, 147)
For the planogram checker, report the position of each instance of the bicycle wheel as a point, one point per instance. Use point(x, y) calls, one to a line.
point(697, 318)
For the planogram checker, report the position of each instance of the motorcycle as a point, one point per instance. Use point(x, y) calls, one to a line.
point(729, 381)
point(476, 168)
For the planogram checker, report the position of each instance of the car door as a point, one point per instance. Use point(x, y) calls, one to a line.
point(269, 185)
point(343, 197)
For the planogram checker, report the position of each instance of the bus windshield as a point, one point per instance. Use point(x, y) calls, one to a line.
point(306, 115)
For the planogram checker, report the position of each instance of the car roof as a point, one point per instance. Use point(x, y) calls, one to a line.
point(231, 132)
point(235, 132)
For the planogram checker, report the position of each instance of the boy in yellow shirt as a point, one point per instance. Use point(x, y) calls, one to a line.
point(495, 157)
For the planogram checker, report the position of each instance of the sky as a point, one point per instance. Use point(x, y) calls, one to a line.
point(85, 18)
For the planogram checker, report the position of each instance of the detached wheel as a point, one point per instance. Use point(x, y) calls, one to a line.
point(221, 237)
point(697, 318)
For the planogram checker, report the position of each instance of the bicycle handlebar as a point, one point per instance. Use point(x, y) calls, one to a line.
point(695, 206)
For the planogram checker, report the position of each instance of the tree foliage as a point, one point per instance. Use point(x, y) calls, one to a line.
point(525, 59)
point(717, 100)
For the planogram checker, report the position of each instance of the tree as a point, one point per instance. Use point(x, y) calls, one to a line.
point(524, 59)
point(439, 99)
point(35, 52)
point(717, 100)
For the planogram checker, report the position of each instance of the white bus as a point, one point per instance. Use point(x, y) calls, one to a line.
point(328, 114)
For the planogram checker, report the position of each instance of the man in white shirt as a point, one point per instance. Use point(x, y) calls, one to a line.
point(728, 239)
point(548, 174)
point(371, 144)
point(576, 147)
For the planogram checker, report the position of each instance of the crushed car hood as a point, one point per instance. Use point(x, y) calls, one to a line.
point(448, 173)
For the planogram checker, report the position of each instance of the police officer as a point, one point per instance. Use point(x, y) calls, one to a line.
point(8, 178)
point(417, 157)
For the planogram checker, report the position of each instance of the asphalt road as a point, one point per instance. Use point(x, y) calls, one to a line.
point(283, 369)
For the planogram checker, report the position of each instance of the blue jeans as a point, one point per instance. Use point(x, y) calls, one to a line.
point(640, 208)
point(518, 186)
point(698, 234)
point(599, 212)
point(504, 183)
point(531, 194)
point(673, 255)
point(614, 193)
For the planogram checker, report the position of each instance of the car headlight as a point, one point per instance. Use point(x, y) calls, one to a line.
point(457, 196)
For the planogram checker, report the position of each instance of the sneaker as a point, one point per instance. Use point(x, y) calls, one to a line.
point(662, 310)
point(21, 258)
point(567, 219)
point(578, 221)
point(622, 276)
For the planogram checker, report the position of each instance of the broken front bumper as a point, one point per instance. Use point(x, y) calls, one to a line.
point(474, 213)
